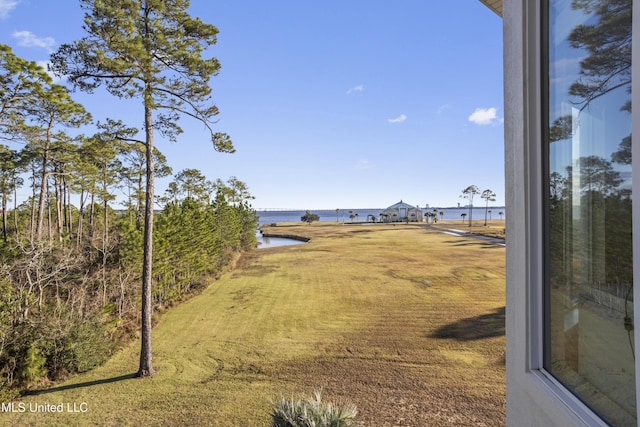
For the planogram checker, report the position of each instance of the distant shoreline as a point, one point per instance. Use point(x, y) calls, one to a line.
point(363, 215)
point(371, 209)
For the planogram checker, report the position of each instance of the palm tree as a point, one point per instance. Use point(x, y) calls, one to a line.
point(463, 215)
point(489, 214)
point(357, 215)
point(441, 215)
point(500, 213)
point(337, 212)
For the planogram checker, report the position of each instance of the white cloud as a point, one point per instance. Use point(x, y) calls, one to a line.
point(28, 39)
point(355, 89)
point(484, 116)
point(401, 118)
point(7, 6)
point(363, 164)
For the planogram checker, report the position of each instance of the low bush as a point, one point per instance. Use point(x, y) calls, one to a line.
point(32, 368)
point(313, 412)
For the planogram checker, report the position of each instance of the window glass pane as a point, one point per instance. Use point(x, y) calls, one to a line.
point(589, 298)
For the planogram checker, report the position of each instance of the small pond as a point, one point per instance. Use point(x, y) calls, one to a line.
point(272, 242)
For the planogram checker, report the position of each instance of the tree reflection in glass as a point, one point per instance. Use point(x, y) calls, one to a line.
point(589, 303)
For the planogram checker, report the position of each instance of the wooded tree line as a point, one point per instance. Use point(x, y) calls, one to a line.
point(598, 233)
point(71, 265)
point(69, 285)
point(590, 202)
point(69, 281)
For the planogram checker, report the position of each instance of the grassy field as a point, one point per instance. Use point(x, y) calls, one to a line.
point(405, 322)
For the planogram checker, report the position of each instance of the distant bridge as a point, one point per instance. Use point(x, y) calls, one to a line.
point(319, 209)
point(280, 209)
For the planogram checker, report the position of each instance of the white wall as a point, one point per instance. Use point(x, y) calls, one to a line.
point(533, 397)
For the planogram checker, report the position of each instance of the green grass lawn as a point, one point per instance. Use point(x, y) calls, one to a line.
point(405, 322)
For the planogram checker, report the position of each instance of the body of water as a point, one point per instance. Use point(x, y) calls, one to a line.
point(272, 242)
point(450, 214)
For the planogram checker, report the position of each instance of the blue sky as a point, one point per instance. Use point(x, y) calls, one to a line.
point(332, 104)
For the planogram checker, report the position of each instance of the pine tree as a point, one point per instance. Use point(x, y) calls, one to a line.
point(54, 109)
point(22, 84)
point(9, 179)
point(151, 49)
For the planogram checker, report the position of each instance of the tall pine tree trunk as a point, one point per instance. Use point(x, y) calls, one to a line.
point(4, 216)
point(146, 367)
point(105, 236)
point(91, 215)
point(49, 226)
point(67, 206)
point(139, 202)
point(44, 177)
point(59, 202)
point(15, 211)
point(80, 215)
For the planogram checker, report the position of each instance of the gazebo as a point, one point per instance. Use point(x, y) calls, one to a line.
point(401, 212)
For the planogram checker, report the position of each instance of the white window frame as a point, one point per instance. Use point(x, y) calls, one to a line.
point(534, 396)
point(635, 155)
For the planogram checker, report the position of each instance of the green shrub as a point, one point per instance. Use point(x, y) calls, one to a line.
point(86, 347)
point(77, 346)
point(33, 367)
point(312, 412)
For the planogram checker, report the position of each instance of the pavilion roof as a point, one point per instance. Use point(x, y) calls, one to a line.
point(401, 205)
